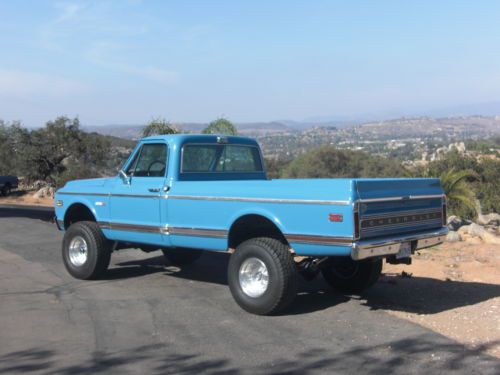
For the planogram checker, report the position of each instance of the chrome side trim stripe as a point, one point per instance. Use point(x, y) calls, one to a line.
point(197, 232)
point(319, 240)
point(220, 233)
point(181, 231)
point(86, 194)
point(131, 227)
point(212, 198)
point(156, 196)
point(135, 196)
point(260, 200)
point(400, 198)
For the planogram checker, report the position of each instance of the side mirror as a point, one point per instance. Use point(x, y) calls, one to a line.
point(124, 177)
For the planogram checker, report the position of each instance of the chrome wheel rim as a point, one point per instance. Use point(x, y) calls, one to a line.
point(78, 251)
point(253, 277)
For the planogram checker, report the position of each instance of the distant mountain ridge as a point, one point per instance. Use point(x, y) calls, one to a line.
point(134, 131)
point(404, 126)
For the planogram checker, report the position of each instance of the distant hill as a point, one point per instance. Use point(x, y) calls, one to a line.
point(396, 128)
point(134, 131)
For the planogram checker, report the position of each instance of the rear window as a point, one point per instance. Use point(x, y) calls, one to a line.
point(220, 158)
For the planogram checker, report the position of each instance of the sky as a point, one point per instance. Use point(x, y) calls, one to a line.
point(127, 61)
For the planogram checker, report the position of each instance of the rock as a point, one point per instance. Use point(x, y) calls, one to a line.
point(45, 192)
point(489, 219)
point(455, 222)
point(453, 236)
point(476, 230)
point(463, 230)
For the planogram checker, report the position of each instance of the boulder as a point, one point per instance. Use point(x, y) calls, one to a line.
point(475, 230)
point(45, 192)
point(455, 222)
point(489, 219)
point(453, 236)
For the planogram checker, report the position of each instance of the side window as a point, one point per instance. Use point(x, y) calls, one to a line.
point(131, 167)
point(150, 161)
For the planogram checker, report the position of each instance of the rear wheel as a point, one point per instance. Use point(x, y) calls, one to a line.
point(180, 256)
point(349, 276)
point(6, 189)
point(86, 252)
point(262, 276)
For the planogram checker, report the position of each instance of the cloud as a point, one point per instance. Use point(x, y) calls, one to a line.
point(99, 54)
point(68, 11)
point(98, 32)
point(22, 84)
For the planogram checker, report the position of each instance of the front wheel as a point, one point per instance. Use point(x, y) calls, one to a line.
point(262, 276)
point(86, 252)
point(350, 276)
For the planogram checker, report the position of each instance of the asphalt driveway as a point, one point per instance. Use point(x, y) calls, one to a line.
point(150, 317)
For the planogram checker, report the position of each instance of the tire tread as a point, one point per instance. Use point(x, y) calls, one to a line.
point(280, 252)
point(100, 243)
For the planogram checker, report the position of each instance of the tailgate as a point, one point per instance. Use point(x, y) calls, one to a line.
point(396, 206)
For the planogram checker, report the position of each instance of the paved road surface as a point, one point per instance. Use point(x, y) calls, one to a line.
point(150, 317)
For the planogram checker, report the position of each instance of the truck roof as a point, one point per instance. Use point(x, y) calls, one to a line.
point(199, 138)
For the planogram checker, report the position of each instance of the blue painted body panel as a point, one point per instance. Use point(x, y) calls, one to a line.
point(296, 207)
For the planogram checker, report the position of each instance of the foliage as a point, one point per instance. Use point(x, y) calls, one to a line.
point(55, 153)
point(328, 162)
point(221, 126)
point(485, 146)
point(488, 186)
point(483, 176)
point(275, 167)
point(158, 126)
point(461, 199)
point(8, 154)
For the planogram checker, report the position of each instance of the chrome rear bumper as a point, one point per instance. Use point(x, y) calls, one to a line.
point(390, 245)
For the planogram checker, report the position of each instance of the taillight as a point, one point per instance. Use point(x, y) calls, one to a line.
point(444, 215)
point(356, 224)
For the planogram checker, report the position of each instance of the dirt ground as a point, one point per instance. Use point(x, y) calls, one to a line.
point(21, 197)
point(453, 289)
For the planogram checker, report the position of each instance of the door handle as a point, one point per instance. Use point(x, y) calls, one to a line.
point(154, 190)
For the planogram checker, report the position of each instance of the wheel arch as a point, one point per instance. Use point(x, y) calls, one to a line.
point(255, 224)
point(76, 212)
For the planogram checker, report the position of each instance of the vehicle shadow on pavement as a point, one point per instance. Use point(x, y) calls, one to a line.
point(212, 268)
point(209, 268)
point(420, 354)
point(29, 212)
point(415, 294)
point(426, 295)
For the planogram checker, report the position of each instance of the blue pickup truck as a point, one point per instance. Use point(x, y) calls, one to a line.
point(7, 183)
point(185, 193)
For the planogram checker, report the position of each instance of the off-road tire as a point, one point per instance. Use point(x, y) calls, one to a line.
point(282, 286)
point(99, 250)
point(364, 274)
point(181, 256)
point(6, 190)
